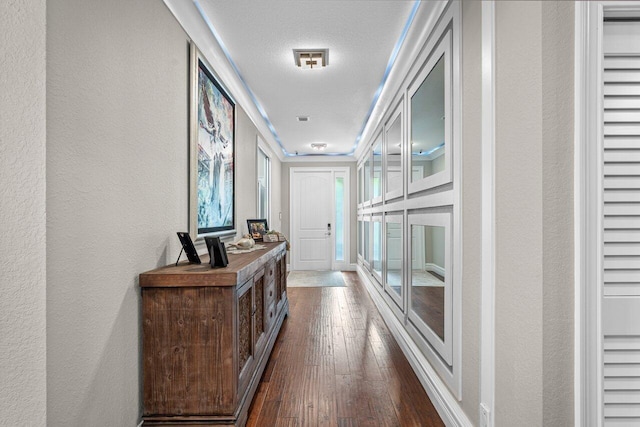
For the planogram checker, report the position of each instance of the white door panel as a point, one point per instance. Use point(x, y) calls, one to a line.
point(312, 193)
point(620, 197)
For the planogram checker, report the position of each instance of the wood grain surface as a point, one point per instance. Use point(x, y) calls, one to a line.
point(240, 269)
point(206, 342)
point(335, 363)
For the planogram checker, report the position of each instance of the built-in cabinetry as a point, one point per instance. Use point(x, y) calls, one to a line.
point(409, 178)
point(207, 336)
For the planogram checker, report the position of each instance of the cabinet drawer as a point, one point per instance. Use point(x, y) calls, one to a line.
point(269, 293)
point(270, 315)
point(270, 270)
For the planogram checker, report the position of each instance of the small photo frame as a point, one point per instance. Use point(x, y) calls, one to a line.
point(257, 228)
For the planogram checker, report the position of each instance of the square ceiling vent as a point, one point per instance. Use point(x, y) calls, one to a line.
point(311, 59)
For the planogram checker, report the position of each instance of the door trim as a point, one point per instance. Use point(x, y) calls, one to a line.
point(335, 265)
point(587, 374)
point(588, 202)
point(488, 283)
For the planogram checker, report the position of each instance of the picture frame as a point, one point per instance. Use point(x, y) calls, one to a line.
point(188, 248)
point(212, 134)
point(257, 228)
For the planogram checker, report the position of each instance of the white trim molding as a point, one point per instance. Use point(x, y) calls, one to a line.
point(443, 400)
point(588, 205)
point(487, 316)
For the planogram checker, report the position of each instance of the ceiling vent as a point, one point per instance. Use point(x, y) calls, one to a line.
point(303, 118)
point(311, 59)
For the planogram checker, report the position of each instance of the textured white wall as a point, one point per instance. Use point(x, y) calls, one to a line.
point(557, 174)
point(518, 318)
point(471, 206)
point(116, 194)
point(117, 180)
point(534, 215)
point(246, 173)
point(22, 213)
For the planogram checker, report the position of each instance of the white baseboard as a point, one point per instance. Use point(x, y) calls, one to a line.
point(342, 267)
point(435, 268)
point(443, 400)
point(350, 267)
point(140, 425)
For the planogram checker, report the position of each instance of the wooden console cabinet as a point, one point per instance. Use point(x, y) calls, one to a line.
point(207, 336)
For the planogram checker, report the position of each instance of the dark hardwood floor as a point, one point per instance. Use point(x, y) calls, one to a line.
point(335, 363)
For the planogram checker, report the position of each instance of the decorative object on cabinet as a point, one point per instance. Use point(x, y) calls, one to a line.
point(271, 236)
point(207, 337)
point(188, 248)
point(217, 252)
point(235, 250)
point(257, 228)
point(212, 157)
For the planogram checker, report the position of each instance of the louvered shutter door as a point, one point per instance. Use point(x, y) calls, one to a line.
point(621, 222)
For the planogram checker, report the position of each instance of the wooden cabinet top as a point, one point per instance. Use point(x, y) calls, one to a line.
point(240, 269)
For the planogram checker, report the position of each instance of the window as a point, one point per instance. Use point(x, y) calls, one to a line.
point(340, 214)
point(264, 172)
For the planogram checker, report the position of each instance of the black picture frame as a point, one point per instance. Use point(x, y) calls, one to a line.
point(257, 228)
point(217, 252)
point(188, 247)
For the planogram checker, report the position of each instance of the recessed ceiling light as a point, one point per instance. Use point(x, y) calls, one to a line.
point(318, 147)
point(311, 59)
point(303, 118)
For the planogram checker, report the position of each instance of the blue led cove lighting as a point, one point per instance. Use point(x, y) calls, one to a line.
point(263, 113)
point(387, 71)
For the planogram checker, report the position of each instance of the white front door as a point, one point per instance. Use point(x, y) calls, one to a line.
point(311, 206)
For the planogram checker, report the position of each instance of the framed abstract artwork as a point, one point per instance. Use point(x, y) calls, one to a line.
point(212, 152)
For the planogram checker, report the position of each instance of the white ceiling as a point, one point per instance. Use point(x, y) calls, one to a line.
point(259, 37)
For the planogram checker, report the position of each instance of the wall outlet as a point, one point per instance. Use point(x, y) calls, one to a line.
point(485, 416)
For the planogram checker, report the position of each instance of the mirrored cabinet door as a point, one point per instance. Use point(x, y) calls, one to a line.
point(366, 180)
point(394, 258)
point(430, 279)
point(394, 163)
point(430, 122)
point(360, 184)
point(376, 247)
point(366, 239)
point(360, 237)
point(376, 184)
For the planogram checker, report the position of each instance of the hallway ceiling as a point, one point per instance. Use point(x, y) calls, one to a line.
point(260, 37)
